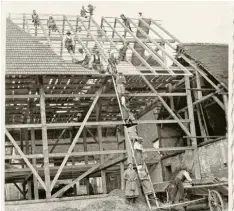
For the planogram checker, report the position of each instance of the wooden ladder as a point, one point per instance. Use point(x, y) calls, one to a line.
point(131, 147)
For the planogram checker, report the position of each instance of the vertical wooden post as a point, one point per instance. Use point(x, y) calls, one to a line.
point(192, 128)
point(225, 101)
point(44, 138)
point(99, 131)
point(86, 159)
point(122, 163)
point(171, 98)
point(34, 162)
point(198, 95)
point(71, 133)
point(61, 49)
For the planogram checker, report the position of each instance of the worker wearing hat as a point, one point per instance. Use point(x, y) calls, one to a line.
point(138, 150)
point(97, 62)
point(130, 184)
point(51, 24)
point(69, 43)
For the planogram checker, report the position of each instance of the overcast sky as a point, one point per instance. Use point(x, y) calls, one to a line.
point(189, 21)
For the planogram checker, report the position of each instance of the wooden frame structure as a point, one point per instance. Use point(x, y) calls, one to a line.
point(49, 105)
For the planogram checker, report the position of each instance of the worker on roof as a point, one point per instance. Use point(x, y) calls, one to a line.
point(138, 150)
point(35, 18)
point(176, 186)
point(120, 86)
point(51, 24)
point(91, 9)
point(69, 43)
point(132, 132)
point(145, 181)
point(97, 63)
point(123, 52)
point(85, 61)
point(83, 12)
point(112, 63)
point(140, 14)
point(126, 23)
point(131, 189)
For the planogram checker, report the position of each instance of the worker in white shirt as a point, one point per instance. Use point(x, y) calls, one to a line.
point(69, 42)
point(97, 62)
point(138, 150)
point(177, 186)
point(35, 18)
point(83, 12)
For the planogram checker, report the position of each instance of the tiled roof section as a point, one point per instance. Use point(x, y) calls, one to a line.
point(213, 57)
point(26, 55)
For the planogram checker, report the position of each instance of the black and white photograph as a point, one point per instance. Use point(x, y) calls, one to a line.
point(117, 105)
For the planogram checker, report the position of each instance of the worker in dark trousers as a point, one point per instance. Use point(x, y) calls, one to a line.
point(176, 187)
point(126, 23)
point(69, 44)
point(97, 62)
point(83, 12)
point(51, 24)
point(123, 51)
point(91, 9)
point(112, 64)
point(35, 18)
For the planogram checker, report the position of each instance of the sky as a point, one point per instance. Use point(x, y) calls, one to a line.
point(199, 22)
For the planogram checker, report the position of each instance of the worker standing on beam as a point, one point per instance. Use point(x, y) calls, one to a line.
point(35, 18)
point(138, 150)
point(176, 187)
point(112, 63)
point(145, 182)
point(69, 44)
point(131, 189)
point(91, 9)
point(97, 63)
point(51, 24)
point(123, 52)
point(126, 23)
point(83, 12)
point(120, 85)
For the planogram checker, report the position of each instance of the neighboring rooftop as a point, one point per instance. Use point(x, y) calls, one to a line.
point(213, 57)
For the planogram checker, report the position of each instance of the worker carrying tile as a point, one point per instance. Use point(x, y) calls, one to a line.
point(145, 182)
point(51, 24)
point(126, 23)
point(131, 189)
point(138, 150)
point(35, 18)
point(112, 63)
point(123, 52)
point(176, 186)
point(83, 12)
point(97, 62)
point(120, 86)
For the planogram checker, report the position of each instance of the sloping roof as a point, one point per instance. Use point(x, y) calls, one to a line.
point(26, 55)
point(213, 57)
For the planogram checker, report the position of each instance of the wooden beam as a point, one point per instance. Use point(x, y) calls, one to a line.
point(76, 138)
point(62, 154)
point(24, 158)
point(192, 128)
point(34, 162)
point(103, 123)
point(166, 106)
point(44, 137)
point(19, 189)
point(175, 94)
point(58, 193)
point(86, 159)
